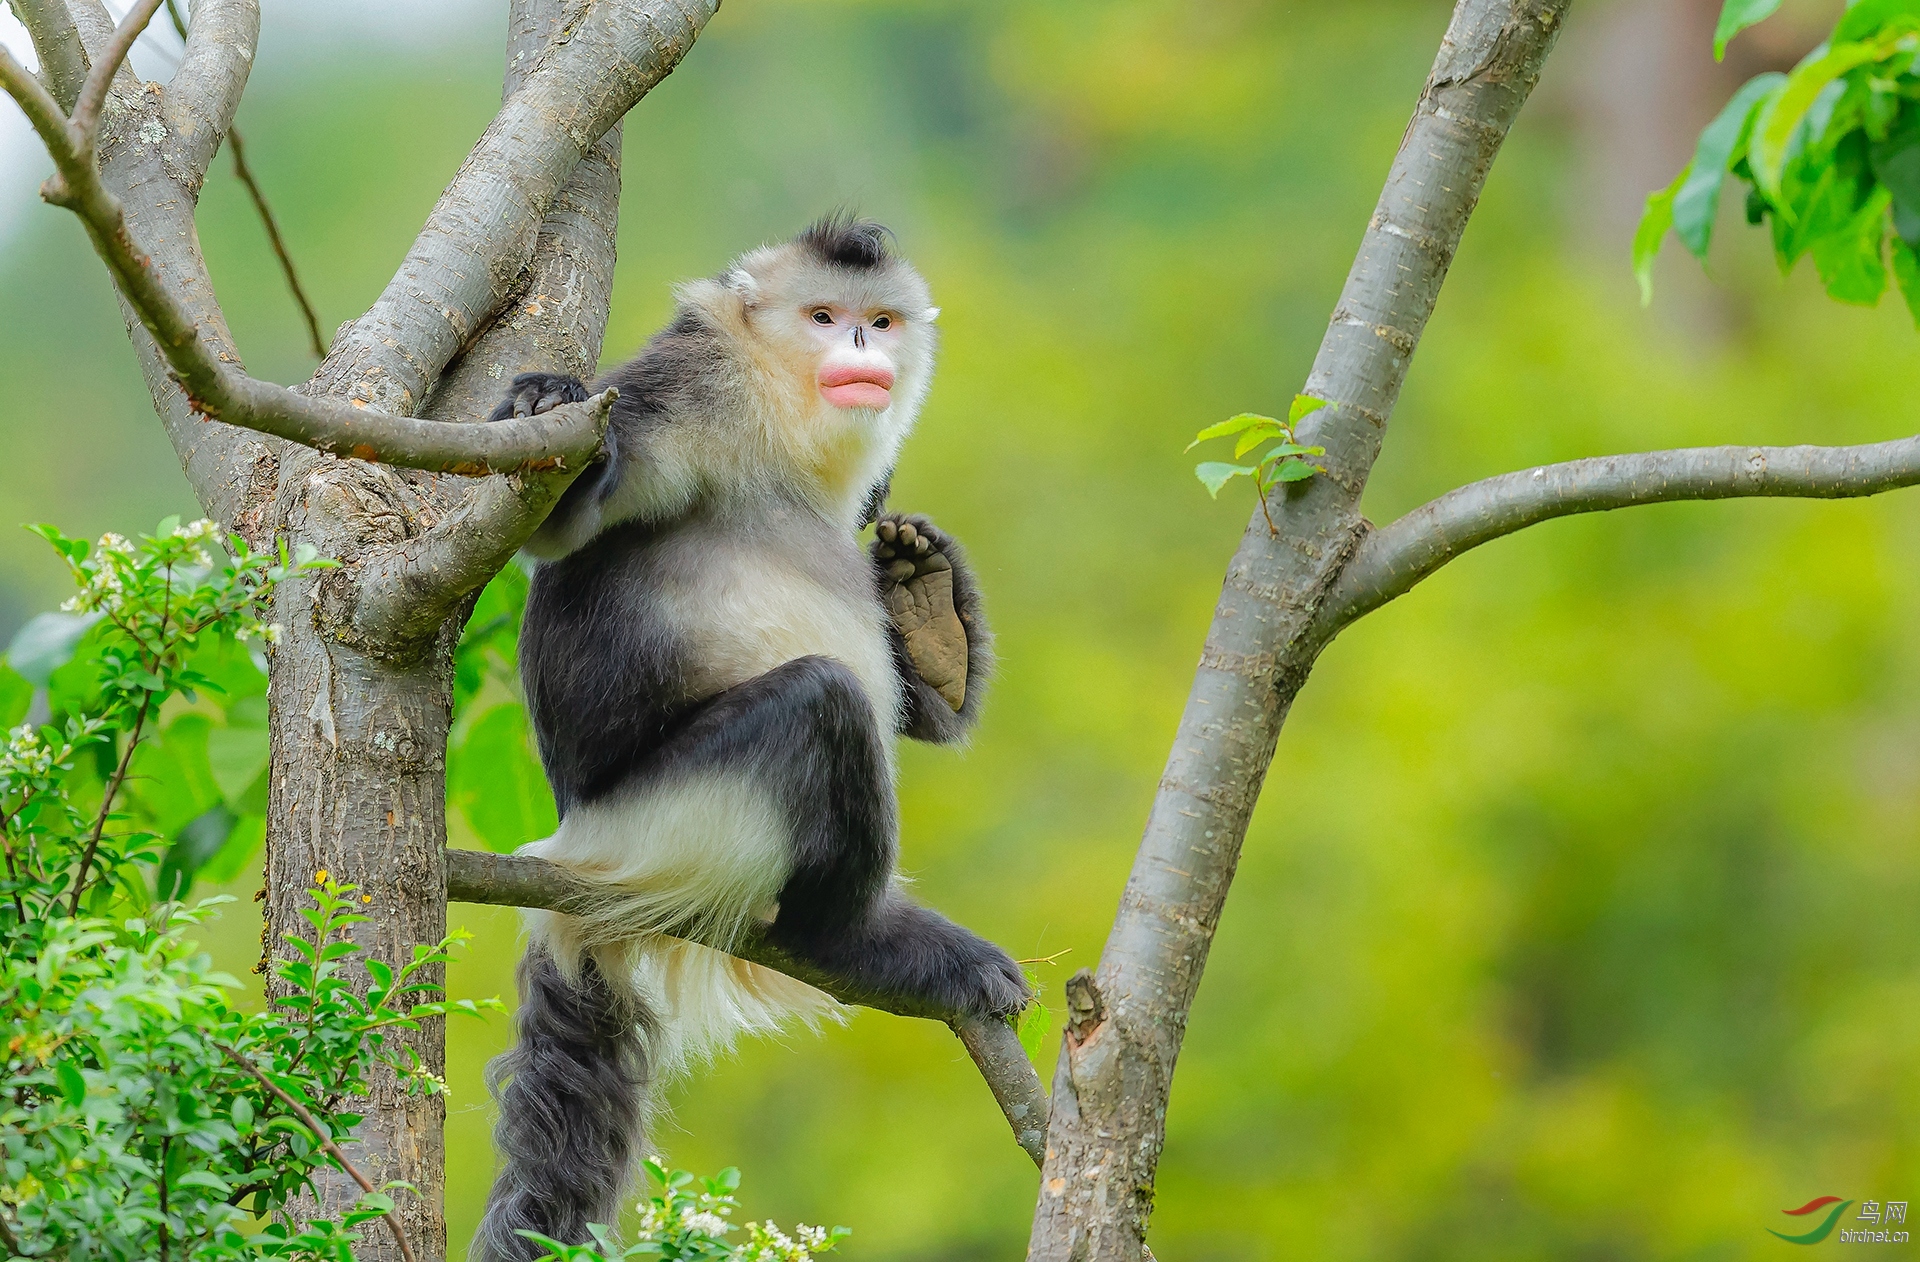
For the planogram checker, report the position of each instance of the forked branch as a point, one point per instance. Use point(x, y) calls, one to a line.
point(475, 876)
point(564, 439)
point(1394, 558)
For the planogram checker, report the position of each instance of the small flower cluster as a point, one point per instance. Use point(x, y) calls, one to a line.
point(689, 1218)
point(767, 1243)
point(172, 582)
point(25, 756)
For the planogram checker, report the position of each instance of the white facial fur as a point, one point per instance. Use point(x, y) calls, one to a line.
point(824, 419)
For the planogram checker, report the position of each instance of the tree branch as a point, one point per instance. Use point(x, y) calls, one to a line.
point(1117, 1060)
point(475, 876)
point(477, 241)
point(1394, 558)
point(205, 91)
point(56, 42)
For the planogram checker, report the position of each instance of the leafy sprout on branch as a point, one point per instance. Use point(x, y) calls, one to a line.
point(1285, 461)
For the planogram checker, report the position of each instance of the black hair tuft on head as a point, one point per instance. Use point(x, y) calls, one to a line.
point(840, 238)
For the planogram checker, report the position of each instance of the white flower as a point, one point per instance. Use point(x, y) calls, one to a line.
point(270, 632)
point(698, 1220)
point(111, 542)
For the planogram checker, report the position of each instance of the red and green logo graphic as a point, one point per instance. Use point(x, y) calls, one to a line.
point(1814, 1206)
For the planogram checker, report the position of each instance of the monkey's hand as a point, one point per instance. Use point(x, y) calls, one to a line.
point(918, 591)
point(537, 392)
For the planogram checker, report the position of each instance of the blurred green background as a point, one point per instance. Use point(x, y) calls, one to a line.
point(1587, 930)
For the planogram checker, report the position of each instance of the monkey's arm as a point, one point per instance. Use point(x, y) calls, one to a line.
point(942, 646)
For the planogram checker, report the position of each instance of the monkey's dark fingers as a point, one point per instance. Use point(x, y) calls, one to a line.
point(887, 529)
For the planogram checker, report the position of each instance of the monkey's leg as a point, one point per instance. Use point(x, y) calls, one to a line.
point(806, 731)
point(572, 1093)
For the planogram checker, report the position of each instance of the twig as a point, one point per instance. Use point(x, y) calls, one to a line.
point(475, 876)
point(106, 805)
point(245, 174)
point(240, 168)
point(321, 1134)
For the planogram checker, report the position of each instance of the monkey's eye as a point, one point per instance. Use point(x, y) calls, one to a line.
point(823, 316)
point(883, 322)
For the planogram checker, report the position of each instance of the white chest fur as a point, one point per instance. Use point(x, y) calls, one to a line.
point(751, 608)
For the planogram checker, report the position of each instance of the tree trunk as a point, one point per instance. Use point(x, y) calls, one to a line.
point(358, 789)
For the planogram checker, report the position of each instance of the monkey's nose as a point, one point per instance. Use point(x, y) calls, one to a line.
point(860, 337)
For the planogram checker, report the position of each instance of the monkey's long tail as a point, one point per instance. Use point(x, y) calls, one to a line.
point(573, 1098)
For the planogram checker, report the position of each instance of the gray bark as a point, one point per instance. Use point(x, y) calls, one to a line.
point(1392, 559)
point(1127, 1019)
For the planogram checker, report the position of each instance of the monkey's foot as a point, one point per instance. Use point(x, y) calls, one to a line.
point(537, 392)
point(918, 591)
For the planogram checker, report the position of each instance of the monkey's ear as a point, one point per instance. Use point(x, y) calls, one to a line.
point(933, 313)
point(741, 282)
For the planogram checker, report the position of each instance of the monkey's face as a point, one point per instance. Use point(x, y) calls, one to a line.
point(858, 340)
point(858, 351)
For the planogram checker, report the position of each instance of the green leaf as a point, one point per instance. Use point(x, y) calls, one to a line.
point(205, 1179)
point(1253, 438)
point(1895, 160)
point(1906, 270)
point(1215, 474)
point(1850, 262)
point(1293, 471)
point(1304, 405)
point(1697, 200)
point(1781, 115)
point(194, 845)
point(496, 779)
point(1735, 17)
point(16, 696)
point(236, 759)
point(1282, 450)
point(1232, 425)
point(170, 783)
point(1036, 1020)
point(73, 1084)
point(248, 836)
point(1866, 18)
point(1654, 222)
point(46, 643)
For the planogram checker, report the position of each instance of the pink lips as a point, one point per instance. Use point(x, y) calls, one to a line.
point(856, 385)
